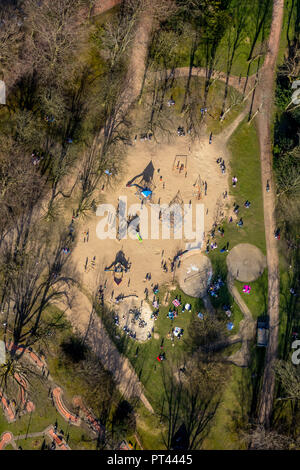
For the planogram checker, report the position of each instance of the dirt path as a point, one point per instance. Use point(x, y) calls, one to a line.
point(264, 100)
point(246, 328)
point(234, 81)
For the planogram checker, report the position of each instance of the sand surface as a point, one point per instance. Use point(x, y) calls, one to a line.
point(147, 256)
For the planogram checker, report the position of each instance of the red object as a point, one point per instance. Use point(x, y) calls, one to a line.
point(158, 358)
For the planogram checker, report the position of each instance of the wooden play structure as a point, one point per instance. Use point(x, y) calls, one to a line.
point(118, 269)
point(198, 188)
point(180, 164)
point(177, 200)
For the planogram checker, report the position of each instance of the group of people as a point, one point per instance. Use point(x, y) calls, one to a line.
point(213, 245)
point(144, 137)
point(221, 162)
point(171, 102)
point(180, 131)
point(215, 287)
point(86, 235)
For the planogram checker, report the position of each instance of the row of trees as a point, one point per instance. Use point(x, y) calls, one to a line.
point(60, 106)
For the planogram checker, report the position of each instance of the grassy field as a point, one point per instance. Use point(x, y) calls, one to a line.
point(223, 435)
point(245, 164)
point(257, 300)
point(222, 53)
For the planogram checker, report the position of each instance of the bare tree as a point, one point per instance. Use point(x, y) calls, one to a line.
point(10, 41)
point(191, 401)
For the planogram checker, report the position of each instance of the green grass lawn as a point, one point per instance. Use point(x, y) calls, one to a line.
point(143, 356)
point(257, 300)
point(245, 164)
point(223, 434)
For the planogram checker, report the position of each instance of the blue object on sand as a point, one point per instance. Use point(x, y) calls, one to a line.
point(200, 315)
point(146, 192)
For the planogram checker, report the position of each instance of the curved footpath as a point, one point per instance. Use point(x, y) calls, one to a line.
point(234, 81)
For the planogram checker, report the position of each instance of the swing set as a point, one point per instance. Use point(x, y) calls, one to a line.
point(180, 163)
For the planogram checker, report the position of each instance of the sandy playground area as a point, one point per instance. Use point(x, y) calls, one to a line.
point(155, 165)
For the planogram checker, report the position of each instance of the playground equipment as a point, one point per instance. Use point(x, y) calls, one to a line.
point(174, 219)
point(144, 183)
point(143, 192)
point(180, 164)
point(118, 269)
point(198, 188)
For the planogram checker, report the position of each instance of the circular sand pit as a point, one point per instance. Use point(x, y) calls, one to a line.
point(128, 309)
point(194, 274)
point(246, 262)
